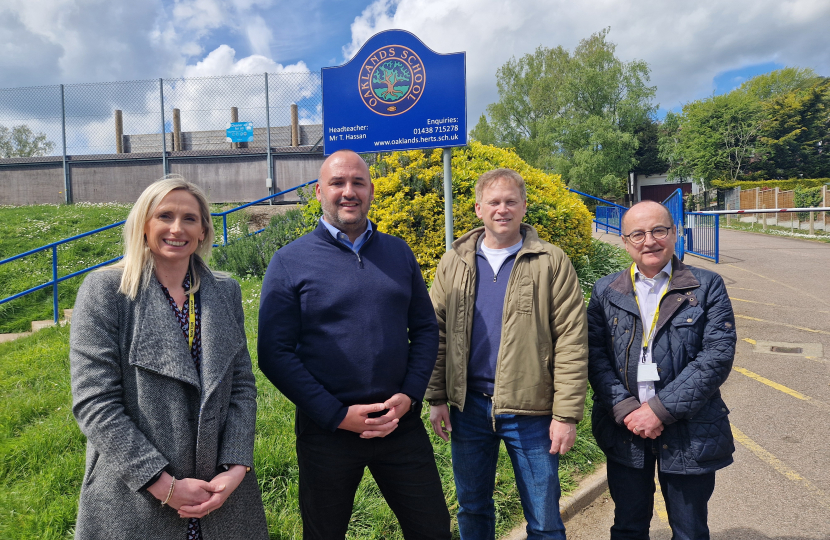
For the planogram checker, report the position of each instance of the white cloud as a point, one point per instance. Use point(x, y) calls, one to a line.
point(222, 61)
point(259, 35)
point(685, 44)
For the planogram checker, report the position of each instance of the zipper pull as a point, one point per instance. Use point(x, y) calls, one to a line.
point(495, 277)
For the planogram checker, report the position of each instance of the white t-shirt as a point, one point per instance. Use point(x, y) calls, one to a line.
point(496, 257)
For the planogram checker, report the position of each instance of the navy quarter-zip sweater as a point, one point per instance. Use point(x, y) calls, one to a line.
point(339, 328)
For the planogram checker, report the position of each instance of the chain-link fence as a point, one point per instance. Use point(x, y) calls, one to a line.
point(103, 119)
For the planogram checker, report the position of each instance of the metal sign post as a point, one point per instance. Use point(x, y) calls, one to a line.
point(448, 221)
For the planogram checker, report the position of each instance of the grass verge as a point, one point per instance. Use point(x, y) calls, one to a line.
point(775, 230)
point(29, 227)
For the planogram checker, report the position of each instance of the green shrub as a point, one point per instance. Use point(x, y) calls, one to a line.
point(250, 255)
point(805, 198)
point(604, 259)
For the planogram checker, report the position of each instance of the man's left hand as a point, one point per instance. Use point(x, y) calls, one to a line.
point(398, 405)
point(644, 423)
point(562, 436)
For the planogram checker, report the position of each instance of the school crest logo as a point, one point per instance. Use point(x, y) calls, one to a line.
point(392, 80)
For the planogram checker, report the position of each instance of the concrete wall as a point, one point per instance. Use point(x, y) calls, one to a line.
point(236, 178)
point(112, 182)
point(291, 171)
point(32, 184)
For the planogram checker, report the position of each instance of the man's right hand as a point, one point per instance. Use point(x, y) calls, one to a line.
point(439, 417)
point(356, 418)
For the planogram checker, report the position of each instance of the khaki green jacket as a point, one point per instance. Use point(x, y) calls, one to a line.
point(542, 365)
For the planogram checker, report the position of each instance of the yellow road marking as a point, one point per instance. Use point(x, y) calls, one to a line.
point(772, 384)
point(750, 341)
point(779, 466)
point(769, 304)
point(753, 302)
point(660, 506)
point(780, 387)
point(781, 324)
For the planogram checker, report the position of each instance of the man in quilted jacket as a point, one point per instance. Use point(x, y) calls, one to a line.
point(661, 343)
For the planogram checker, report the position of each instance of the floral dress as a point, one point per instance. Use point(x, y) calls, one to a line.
point(194, 531)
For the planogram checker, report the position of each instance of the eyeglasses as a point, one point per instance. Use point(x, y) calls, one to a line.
point(638, 237)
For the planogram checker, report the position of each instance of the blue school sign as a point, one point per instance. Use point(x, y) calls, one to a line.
point(395, 94)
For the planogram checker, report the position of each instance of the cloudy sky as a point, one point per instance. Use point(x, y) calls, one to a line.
point(693, 48)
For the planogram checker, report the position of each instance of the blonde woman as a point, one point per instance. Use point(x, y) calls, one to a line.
point(162, 384)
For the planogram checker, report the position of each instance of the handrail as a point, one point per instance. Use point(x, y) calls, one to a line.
point(246, 205)
point(598, 199)
point(54, 248)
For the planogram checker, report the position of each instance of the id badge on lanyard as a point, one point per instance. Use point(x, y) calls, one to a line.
point(647, 371)
point(191, 323)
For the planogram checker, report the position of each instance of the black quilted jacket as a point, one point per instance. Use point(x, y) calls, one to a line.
point(693, 348)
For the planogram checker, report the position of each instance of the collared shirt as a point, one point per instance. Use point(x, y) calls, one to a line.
point(343, 238)
point(649, 291)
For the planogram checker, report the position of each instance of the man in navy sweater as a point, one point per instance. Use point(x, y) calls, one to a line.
point(347, 332)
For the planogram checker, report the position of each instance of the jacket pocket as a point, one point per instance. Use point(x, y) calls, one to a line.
point(90, 469)
point(525, 295)
point(688, 317)
point(688, 327)
point(709, 433)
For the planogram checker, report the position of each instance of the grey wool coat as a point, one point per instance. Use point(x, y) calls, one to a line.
point(143, 407)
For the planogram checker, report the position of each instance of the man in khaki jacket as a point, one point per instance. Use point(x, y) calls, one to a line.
point(512, 360)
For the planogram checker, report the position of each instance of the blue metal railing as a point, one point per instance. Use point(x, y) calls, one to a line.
point(702, 233)
point(608, 215)
point(674, 203)
point(55, 279)
point(224, 215)
point(54, 249)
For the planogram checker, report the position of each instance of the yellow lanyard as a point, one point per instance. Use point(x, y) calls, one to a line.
point(191, 324)
point(647, 338)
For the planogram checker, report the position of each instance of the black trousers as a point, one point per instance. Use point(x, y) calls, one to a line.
point(686, 497)
point(402, 464)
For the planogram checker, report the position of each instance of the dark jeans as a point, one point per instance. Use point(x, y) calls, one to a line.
point(686, 495)
point(475, 451)
point(402, 464)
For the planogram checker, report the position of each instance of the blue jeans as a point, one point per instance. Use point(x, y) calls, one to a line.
point(686, 497)
point(475, 450)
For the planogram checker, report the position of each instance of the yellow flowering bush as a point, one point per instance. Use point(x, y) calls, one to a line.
point(409, 201)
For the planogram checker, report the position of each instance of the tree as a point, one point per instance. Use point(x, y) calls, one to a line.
point(713, 138)
point(795, 133)
point(775, 125)
point(575, 113)
point(648, 149)
point(781, 81)
point(21, 141)
point(389, 75)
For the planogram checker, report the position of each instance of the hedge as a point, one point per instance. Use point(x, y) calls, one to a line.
point(770, 184)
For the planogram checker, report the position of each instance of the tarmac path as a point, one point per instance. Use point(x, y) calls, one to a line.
point(778, 393)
